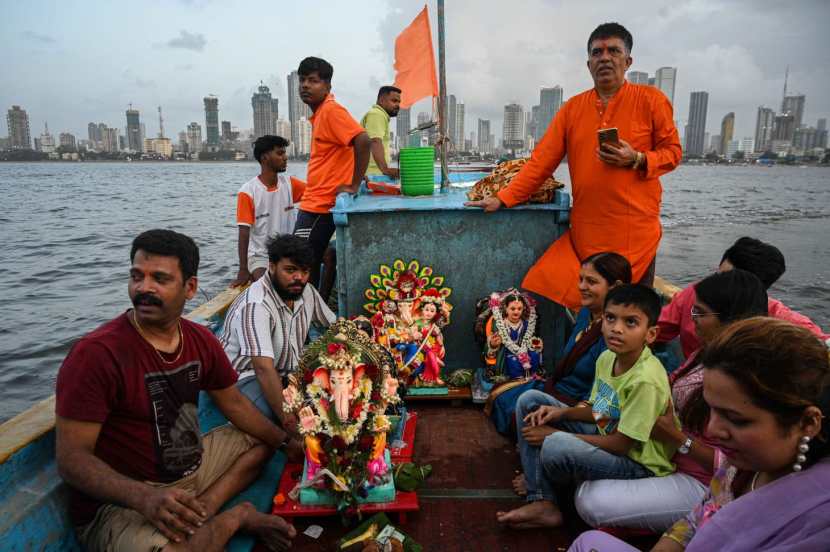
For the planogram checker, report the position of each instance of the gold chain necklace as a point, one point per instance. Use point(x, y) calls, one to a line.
point(181, 340)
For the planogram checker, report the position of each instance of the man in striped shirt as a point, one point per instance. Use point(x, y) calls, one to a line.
point(267, 326)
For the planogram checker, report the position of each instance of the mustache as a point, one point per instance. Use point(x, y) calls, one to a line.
point(147, 299)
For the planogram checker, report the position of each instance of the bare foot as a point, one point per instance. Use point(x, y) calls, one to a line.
point(539, 514)
point(273, 531)
point(520, 485)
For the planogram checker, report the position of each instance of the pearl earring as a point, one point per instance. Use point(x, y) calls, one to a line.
point(801, 457)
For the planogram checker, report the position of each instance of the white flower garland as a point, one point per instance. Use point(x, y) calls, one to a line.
point(520, 349)
point(348, 431)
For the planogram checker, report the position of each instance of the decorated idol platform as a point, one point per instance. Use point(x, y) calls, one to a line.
point(429, 309)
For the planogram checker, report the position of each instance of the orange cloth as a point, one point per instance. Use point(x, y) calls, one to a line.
point(331, 163)
point(415, 61)
point(614, 209)
point(297, 188)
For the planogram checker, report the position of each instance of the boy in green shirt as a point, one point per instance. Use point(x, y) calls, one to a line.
point(610, 437)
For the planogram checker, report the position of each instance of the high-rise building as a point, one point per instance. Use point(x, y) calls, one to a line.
point(212, 122)
point(226, 131)
point(182, 145)
point(109, 139)
point(458, 136)
point(714, 144)
point(194, 138)
point(637, 77)
point(795, 106)
point(696, 127)
point(550, 101)
point(484, 144)
point(747, 144)
point(764, 127)
point(67, 141)
point(263, 105)
point(731, 147)
point(18, 122)
point(451, 116)
point(727, 129)
point(135, 140)
point(296, 108)
point(402, 128)
point(283, 129)
point(47, 141)
point(821, 124)
point(303, 137)
point(94, 134)
point(665, 79)
point(513, 127)
point(784, 127)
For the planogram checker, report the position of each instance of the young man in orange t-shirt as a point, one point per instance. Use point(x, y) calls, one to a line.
point(339, 157)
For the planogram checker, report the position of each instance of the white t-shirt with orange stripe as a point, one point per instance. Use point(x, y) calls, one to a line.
point(268, 212)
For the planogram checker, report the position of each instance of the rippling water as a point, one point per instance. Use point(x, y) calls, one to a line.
point(67, 229)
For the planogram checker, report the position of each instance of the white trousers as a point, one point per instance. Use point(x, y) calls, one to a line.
point(652, 503)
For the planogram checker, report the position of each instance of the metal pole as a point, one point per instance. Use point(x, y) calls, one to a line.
point(442, 100)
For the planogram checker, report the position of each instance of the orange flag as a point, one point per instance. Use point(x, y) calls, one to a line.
point(415, 61)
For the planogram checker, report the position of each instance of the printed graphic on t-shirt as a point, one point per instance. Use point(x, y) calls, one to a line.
point(606, 408)
point(174, 397)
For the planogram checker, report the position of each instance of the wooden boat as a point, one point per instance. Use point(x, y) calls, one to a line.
point(472, 463)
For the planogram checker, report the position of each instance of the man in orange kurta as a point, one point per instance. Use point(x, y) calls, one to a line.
point(616, 189)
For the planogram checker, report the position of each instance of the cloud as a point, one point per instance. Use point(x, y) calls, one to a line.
point(185, 67)
point(188, 41)
point(37, 37)
point(141, 83)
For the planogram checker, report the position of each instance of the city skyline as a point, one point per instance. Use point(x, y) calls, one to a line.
point(186, 65)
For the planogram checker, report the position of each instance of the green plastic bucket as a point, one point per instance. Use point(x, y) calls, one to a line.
point(416, 165)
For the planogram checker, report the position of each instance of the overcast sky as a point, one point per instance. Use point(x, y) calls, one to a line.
point(70, 63)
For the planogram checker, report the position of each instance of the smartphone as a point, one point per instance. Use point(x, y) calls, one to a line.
point(608, 136)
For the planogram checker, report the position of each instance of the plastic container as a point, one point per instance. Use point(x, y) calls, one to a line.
point(417, 173)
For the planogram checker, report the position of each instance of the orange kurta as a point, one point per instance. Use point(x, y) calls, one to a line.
point(614, 209)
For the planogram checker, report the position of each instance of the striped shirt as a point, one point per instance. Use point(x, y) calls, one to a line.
point(260, 324)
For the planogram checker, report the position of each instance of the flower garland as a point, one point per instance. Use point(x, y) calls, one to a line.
point(519, 349)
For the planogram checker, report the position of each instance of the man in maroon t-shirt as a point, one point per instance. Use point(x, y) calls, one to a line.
point(143, 476)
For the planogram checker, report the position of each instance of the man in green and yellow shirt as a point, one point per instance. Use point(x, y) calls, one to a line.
point(376, 123)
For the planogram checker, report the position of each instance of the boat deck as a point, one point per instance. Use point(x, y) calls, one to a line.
point(472, 468)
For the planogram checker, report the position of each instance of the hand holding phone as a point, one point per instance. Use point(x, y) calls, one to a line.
point(608, 136)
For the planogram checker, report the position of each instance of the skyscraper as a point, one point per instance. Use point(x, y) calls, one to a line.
point(821, 124)
point(94, 134)
point(18, 122)
point(484, 145)
point(226, 131)
point(637, 77)
point(47, 141)
point(212, 122)
point(109, 138)
point(135, 141)
point(402, 128)
point(296, 108)
point(263, 105)
point(458, 136)
point(727, 129)
point(764, 126)
point(303, 137)
point(784, 127)
point(795, 106)
point(513, 127)
point(550, 101)
point(696, 127)
point(67, 141)
point(194, 137)
point(451, 117)
point(664, 79)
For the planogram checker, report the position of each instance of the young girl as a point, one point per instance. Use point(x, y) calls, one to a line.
point(767, 384)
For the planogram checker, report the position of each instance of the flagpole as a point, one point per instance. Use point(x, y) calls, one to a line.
point(442, 100)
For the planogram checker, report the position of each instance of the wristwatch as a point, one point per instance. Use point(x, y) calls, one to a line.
point(686, 446)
